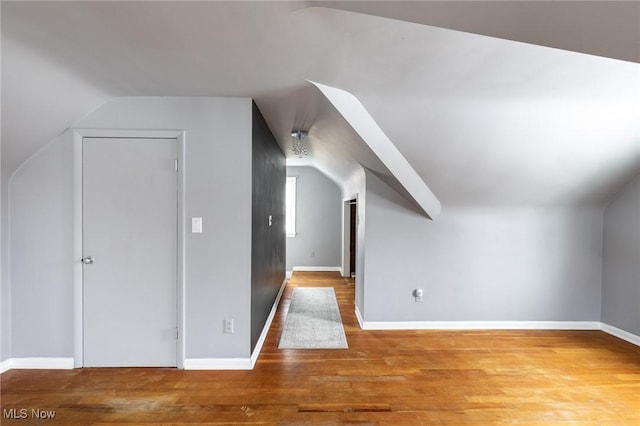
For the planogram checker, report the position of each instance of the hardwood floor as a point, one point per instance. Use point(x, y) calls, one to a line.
point(385, 377)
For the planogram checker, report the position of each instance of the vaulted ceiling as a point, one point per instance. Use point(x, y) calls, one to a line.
point(509, 103)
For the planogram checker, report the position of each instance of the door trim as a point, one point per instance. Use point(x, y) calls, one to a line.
point(346, 234)
point(78, 308)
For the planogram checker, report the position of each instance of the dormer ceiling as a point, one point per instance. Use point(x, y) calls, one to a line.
point(483, 120)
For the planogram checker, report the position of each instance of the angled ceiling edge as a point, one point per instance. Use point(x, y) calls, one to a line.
point(358, 118)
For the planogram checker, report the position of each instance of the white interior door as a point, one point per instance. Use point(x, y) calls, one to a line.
point(129, 215)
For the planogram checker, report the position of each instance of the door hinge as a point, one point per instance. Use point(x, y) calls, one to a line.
point(176, 165)
point(176, 333)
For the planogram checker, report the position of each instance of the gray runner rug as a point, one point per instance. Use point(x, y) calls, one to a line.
point(313, 321)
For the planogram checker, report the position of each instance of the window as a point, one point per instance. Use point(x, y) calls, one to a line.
point(290, 207)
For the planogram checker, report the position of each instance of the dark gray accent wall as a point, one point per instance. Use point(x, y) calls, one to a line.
point(621, 261)
point(267, 238)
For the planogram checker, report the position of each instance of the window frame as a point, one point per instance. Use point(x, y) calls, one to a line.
point(291, 206)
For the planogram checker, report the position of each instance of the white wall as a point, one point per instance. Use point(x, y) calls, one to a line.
point(318, 240)
point(621, 260)
point(538, 264)
point(218, 189)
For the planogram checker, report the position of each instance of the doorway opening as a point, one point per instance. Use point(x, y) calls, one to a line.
point(350, 239)
point(353, 219)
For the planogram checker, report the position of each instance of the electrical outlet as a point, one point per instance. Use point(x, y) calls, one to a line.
point(417, 294)
point(228, 326)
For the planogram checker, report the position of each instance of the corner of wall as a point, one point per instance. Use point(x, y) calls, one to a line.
point(621, 260)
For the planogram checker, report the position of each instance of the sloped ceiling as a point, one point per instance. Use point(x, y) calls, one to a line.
point(602, 28)
point(483, 120)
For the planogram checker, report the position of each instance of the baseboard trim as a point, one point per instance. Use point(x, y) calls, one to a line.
point(5, 365)
point(359, 318)
point(317, 268)
point(217, 364)
point(238, 363)
point(288, 275)
point(480, 325)
point(267, 326)
point(621, 334)
point(249, 363)
point(38, 364)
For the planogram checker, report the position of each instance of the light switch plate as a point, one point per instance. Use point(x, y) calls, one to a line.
point(196, 225)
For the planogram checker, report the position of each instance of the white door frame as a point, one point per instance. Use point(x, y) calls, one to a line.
point(346, 235)
point(346, 224)
point(78, 135)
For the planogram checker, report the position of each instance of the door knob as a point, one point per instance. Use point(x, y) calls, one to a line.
point(88, 260)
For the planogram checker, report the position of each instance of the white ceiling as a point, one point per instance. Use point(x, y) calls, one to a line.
point(483, 120)
point(602, 28)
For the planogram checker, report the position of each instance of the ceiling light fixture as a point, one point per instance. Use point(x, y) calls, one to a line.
point(298, 145)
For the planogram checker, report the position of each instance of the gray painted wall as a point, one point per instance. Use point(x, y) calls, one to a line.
point(541, 264)
point(5, 290)
point(5, 295)
point(218, 261)
point(473, 264)
point(318, 240)
point(218, 189)
point(267, 239)
point(621, 260)
point(42, 253)
point(355, 187)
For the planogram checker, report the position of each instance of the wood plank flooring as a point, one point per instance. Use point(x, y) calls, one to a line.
point(385, 377)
